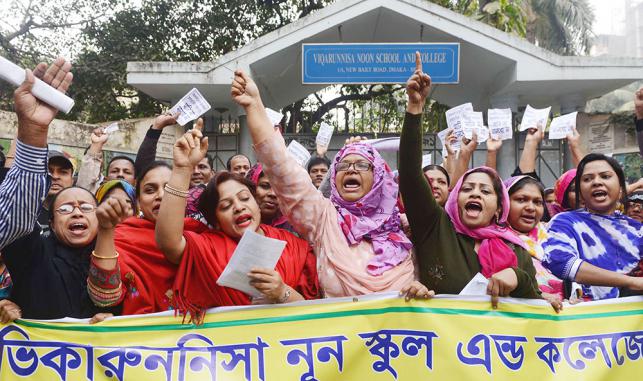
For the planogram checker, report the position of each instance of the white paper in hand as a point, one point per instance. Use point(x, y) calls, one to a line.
point(562, 126)
point(499, 122)
point(111, 128)
point(473, 121)
point(253, 250)
point(299, 153)
point(274, 116)
point(442, 135)
point(426, 160)
point(191, 106)
point(455, 117)
point(534, 117)
point(324, 134)
point(476, 286)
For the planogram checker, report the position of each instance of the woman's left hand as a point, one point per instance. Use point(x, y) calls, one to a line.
point(416, 290)
point(268, 282)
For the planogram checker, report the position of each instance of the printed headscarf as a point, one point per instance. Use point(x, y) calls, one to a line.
point(375, 217)
point(494, 254)
point(106, 187)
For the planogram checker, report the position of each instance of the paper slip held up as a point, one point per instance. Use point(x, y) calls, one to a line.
point(476, 286)
point(562, 126)
point(253, 250)
point(534, 117)
point(456, 114)
point(324, 134)
point(473, 121)
point(299, 152)
point(111, 128)
point(426, 160)
point(499, 122)
point(442, 135)
point(191, 106)
point(274, 116)
point(385, 144)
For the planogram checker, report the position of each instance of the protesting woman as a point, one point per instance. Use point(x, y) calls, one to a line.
point(356, 234)
point(229, 205)
point(597, 245)
point(470, 234)
point(128, 267)
point(267, 200)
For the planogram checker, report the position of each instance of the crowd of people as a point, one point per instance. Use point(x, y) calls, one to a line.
point(143, 236)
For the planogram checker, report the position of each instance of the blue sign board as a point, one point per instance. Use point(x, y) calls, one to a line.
point(378, 63)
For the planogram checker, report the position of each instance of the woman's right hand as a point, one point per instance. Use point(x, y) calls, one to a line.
point(501, 283)
point(112, 212)
point(191, 148)
point(244, 90)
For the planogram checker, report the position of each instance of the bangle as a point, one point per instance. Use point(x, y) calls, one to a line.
point(102, 257)
point(176, 192)
point(285, 297)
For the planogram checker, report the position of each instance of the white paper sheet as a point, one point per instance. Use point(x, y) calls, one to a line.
point(111, 128)
point(274, 116)
point(299, 152)
point(191, 106)
point(426, 160)
point(455, 116)
point(324, 134)
point(476, 286)
point(562, 126)
point(15, 75)
point(253, 250)
point(499, 122)
point(533, 117)
point(385, 144)
point(473, 121)
point(442, 135)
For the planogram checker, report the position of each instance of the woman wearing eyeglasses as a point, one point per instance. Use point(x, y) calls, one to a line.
point(356, 233)
point(50, 273)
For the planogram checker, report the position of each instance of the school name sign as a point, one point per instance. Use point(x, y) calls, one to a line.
point(378, 63)
point(384, 338)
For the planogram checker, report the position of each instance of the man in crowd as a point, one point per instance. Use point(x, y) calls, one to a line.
point(238, 163)
point(317, 168)
point(202, 172)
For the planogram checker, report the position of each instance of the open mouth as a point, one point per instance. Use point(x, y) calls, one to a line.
point(243, 221)
point(352, 184)
point(599, 195)
point(78, 228)
point(528, 219)
point(473, 209)
point(155, 209)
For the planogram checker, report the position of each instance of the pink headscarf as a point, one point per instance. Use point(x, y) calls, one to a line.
point(375, 217)
point(494, 254)
point(562, 184)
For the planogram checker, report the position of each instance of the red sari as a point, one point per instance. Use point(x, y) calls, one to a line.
point(206, 256)
point(146, 275)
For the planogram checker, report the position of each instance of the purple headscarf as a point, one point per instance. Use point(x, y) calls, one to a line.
point(374, 217)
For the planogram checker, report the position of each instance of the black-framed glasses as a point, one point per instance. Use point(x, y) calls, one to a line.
point(360, 166)
point(84, 207)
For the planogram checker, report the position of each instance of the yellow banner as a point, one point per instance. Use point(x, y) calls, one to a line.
point(373, 338)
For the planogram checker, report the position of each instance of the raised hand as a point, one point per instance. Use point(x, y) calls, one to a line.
point(112, 212)
point(469, 145)
point(493, 145)
point(638, 103)
point(535, 135)
point(573, 138)
point(31, 111)
point(244, 90)
point(450, 140)
point(191, 148)
point(99, 137)
point(417, 88)
point(164, 120)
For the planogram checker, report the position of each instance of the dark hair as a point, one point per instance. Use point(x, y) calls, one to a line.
point(440, 168)
point(209, 199)
point(210, 161)
point(55, 197)
point(316, 161)
point(495, 180)
point(121, 157)
point(141, 176)
point(530, 180)
point(615, 166)
point(229, 162)
point(549, 191)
